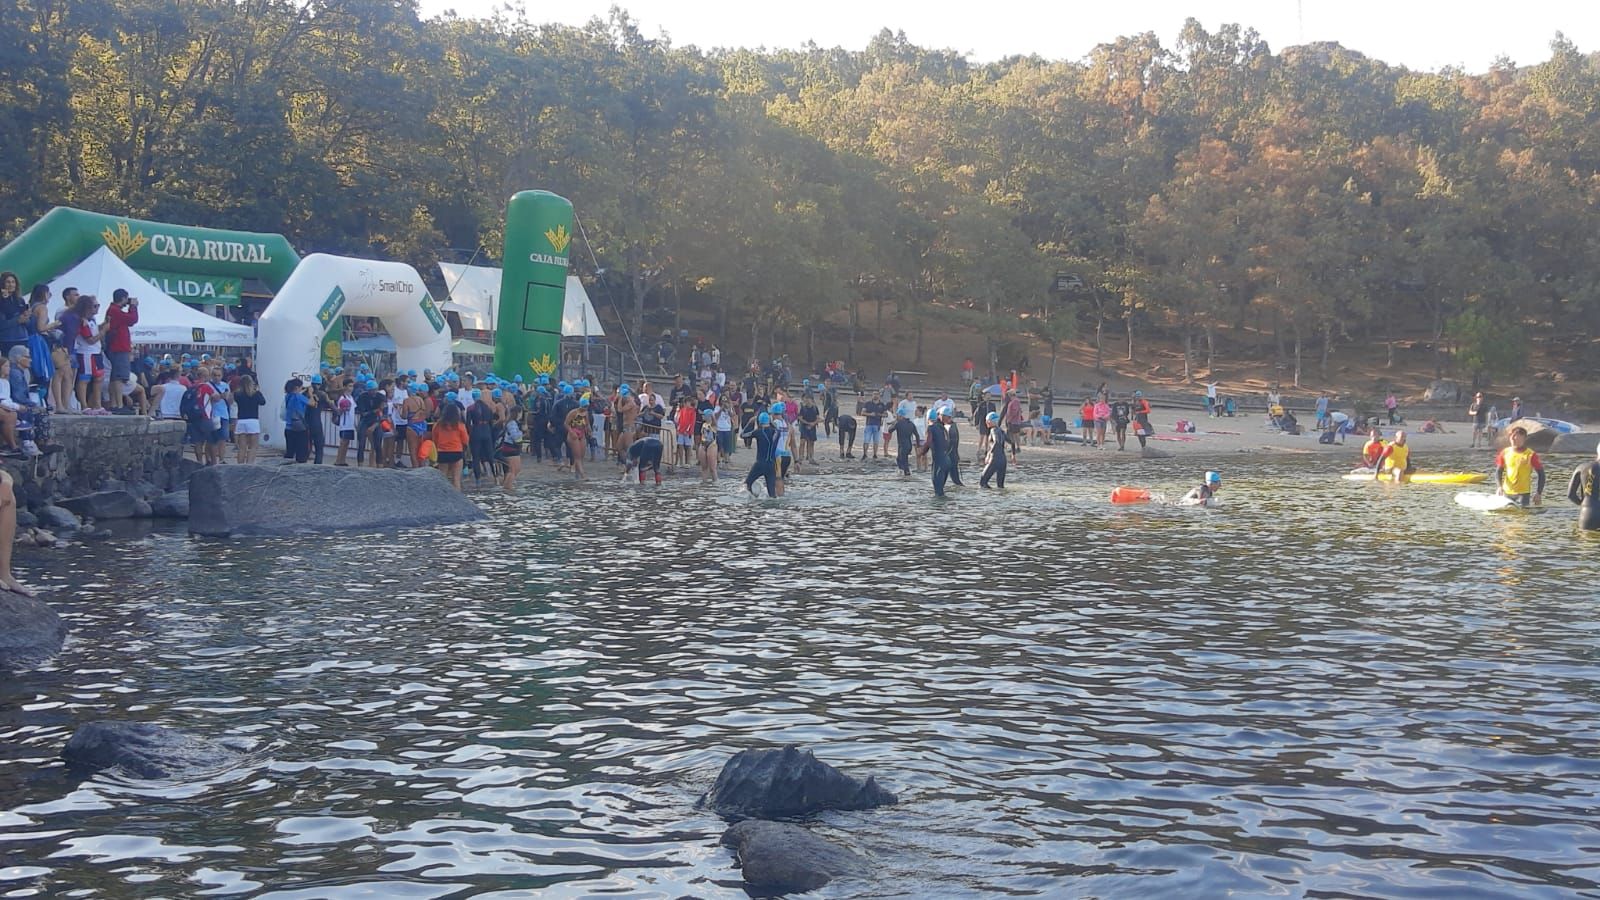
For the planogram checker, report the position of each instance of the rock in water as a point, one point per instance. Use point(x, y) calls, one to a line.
point(30, 632)
point(144, 750)
point(780, 858)
point(171, 506)
point(56, 517)
point(298, 499)
point(102, 505)
point(1575, 442)
point(788, 782)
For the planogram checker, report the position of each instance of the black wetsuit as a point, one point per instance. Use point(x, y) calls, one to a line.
point(765, 467)
point(847, 435)
point(555, 440)
point(1584, 490)
point(539, 424)
point(997, 460)
point(906, 433)
point(954, 453)
point(480, 436)
point(645, 453)
point(830, 412)
point(319, 404)
point(939, 451)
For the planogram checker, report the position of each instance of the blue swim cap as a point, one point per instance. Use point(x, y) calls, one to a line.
point(763, 419)
point(151, 360)
point(365, 367)
point(992, 418)
point(1213, 478)
point(544, 379)
point(372, 384)
point(583, 401)
point(315, 379)
point(497, 394)
point(411, 373)
point(450, 395)
point(624, 390)
point(566, 389)
point(517, 379)
point(1138, 393)
point(477, 394)
point(338, 370)
point(778, 409)
point(933, 416)
point(544, 390)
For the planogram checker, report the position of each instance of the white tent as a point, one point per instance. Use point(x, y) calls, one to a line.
point(162, 320)
point(475, 296)
point(577, 317)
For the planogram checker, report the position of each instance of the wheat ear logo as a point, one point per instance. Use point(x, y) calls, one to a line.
point(124, 242)
point(558, 238)
point(544, 365)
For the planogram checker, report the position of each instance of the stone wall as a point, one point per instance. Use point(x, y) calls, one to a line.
point(101, 449)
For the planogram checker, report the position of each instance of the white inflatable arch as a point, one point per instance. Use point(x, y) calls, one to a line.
point(290, 333)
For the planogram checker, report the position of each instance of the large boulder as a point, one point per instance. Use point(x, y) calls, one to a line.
point(143, 750)
point(56, 517)
point(30, 632)
point(114, 504)
point(780, 858)
point(298, 499)
point(1540, 435)
point(1583, 442)
point(1442, 391)
point(789, 782)
point(171, 506)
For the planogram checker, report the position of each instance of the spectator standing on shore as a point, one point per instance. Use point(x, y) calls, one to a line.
point(1478, 414)
point(13, 309)
point(120, 319)
point(1322, 410)
point(1211, 398)
point(1393, 406)
point(247, 428)
point(967, 370)
point(1516, 408)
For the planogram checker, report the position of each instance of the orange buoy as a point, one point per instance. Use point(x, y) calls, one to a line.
point(1125, 494)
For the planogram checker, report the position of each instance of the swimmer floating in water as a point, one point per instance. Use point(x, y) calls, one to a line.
point(1206, 493)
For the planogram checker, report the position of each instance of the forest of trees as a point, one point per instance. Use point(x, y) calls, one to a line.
point(1213, 192)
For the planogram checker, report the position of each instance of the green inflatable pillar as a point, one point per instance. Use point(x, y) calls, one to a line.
point(533, 285)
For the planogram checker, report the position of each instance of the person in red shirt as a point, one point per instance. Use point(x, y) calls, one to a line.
point(684, 419)
point(123, 315)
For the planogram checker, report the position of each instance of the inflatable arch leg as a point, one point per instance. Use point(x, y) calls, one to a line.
point(290, 333)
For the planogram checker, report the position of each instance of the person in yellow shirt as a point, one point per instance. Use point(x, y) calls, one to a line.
point(1515, 468)
point(1395, 459)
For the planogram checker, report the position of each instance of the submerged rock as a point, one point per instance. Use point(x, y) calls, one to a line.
point(143, 750)
point(779, 858)
point(30, 632)
point(296, 499)
point(789, 782)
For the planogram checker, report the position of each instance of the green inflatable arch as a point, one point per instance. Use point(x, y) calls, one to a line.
point(64, 236)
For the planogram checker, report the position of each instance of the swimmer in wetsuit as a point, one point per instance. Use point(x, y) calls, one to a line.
point(847, 436)
point(1514, 470)
point(766, 465)
point(938, 448)
point(1584, 490)
point(997, 454)
point(643, 454)
point(906, 437)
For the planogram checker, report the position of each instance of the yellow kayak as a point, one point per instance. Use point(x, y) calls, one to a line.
point(1426, 477)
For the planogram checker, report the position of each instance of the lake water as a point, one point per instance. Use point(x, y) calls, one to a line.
point(1323, 688)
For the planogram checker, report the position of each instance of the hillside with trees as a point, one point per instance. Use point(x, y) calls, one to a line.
point(1214, 195)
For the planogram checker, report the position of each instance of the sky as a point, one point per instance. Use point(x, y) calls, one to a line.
point(1419, 34)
